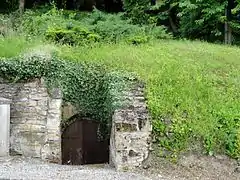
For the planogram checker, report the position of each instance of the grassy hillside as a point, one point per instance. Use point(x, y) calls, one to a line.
point(193, 90)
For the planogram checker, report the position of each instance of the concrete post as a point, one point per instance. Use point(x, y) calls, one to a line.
point(4, 126)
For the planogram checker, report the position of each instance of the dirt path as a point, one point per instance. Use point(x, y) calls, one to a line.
point(194, 167)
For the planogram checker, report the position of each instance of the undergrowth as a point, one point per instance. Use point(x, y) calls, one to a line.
point(69, 27)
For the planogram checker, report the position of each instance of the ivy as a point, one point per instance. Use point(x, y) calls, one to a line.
point(95, 92)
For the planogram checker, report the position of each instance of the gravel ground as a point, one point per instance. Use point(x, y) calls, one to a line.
point(190, 167)
point(19, 168)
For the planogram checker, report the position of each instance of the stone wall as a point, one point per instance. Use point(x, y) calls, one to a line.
point(131, 131)
point(35, 120)
point(36, 117)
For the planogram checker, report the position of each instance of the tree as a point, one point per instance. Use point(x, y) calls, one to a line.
point(227, 27)
point(21, 6)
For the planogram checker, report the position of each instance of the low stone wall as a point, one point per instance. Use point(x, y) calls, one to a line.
point(35, 120)
point(131, 131)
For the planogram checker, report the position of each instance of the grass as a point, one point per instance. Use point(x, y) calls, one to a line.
point(193, 90)
point(194, 84)
point(13, 45)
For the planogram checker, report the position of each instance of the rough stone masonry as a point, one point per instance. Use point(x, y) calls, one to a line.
point(35, 120)
point(36, 117)
point(131, 131)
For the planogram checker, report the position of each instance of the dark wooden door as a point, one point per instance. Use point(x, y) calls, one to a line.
point(72, 144)
point(95, 150)
point(81, 145)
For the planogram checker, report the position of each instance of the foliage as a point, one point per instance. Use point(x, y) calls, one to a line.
point(130, 4)
point(192, 19)
point(8, 5)
point(135, 9)
point(5, 27)
point(187, 18)
point(113, 28)
point(158, 32)
point(192, 91)
point(201, 19)
point(71, 36)
point(36, 24)
point(85, 85)
point(138, 40)
point(75, 28)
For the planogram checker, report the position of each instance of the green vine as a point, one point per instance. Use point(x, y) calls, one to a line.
point(95, 92)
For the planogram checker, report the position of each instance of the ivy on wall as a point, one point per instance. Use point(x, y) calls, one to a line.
point(95, 92)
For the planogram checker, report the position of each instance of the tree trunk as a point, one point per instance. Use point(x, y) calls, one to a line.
point(227, 29)
point(228, 34)
point(21, 6)
point(173, 26)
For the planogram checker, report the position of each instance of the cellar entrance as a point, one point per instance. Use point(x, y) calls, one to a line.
point(81, 143)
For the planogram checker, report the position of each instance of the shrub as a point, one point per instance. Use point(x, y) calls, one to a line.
point(115, 28)
point(138, 40)
point(36, 24)
point(73, 36)
point(158, 32)
point(74, 28)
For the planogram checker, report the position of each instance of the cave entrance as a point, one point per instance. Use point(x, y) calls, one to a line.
point(82, 145)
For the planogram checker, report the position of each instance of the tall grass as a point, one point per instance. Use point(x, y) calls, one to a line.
point(12, 39)
point(13, 45)
point(192, 89)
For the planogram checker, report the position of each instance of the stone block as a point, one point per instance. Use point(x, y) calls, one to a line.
point(4, 129)
point(126, 127)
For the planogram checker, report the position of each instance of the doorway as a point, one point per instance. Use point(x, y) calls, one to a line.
point(81, 144)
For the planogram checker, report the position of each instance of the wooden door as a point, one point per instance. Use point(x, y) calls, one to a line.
point(81, 144)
